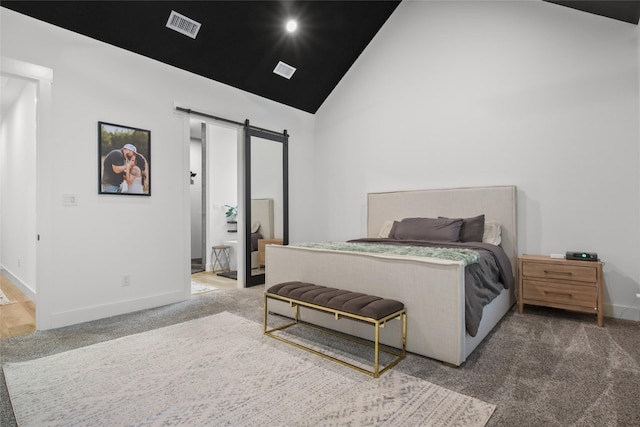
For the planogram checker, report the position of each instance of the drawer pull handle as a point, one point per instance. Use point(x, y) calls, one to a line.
point(565, 273)
point(559, 293)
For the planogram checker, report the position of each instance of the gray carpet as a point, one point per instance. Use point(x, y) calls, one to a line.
point(546, 367)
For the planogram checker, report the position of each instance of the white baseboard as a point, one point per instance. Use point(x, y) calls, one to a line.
point(22, 287)
point(96, 312)
point(630, 312)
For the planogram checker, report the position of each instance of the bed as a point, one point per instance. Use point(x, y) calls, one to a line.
point(432, 289)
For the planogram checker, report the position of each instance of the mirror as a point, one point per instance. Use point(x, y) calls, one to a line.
point(266, 198)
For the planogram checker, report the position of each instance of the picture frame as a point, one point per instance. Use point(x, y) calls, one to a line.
point(124, 160)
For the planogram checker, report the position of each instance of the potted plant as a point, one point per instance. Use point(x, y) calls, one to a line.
point(231, 213)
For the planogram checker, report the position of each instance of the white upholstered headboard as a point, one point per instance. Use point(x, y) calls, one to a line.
point(262, 210)
point(496, 203)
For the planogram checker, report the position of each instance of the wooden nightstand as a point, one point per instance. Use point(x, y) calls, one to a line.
point(261, 247)
point(560, 283)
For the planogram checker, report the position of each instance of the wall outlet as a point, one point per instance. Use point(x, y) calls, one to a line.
point(638, 295)
point(126, 280)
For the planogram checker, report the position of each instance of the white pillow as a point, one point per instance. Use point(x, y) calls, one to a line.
point(492, 233)
point(255, 225)
point(385, 230)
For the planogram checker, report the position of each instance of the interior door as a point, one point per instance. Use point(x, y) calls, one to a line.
point(266, 177)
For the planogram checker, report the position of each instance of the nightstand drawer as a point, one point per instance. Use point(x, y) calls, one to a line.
point(560, 293)
point(559, 271)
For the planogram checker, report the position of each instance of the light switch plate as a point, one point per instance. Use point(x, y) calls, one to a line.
point(69, 200)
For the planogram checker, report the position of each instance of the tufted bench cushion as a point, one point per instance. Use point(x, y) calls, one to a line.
point(351, 302)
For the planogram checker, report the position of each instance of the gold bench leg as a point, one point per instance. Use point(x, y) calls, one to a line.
point(404, 334)
point(376, 363)
point(264, 329)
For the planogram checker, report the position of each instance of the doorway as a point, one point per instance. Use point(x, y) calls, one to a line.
point(24, 131)
point(213, 191)
point(237, 253)
point(197, 187)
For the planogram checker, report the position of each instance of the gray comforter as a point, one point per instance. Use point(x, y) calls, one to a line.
point(484, 280)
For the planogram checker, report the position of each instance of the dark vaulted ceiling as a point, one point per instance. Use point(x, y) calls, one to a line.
point(241, 42)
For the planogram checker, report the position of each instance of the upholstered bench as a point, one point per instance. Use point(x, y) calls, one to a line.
point(342, 304)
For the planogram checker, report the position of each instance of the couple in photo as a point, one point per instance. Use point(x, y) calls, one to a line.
point(125, 171)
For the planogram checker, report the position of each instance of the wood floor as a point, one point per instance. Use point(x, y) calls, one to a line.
point(209, 278)
point(19, 317)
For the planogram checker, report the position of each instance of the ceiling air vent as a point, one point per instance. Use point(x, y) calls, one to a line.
point(284, 70)
point(182, 24)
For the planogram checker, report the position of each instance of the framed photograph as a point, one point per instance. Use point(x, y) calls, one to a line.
point(124, 160)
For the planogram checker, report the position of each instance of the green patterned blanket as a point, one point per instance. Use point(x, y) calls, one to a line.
point(467, 256)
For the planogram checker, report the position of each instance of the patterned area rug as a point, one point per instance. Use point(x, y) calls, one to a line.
point(221, 370)
point(4, 299)
point(198, 288)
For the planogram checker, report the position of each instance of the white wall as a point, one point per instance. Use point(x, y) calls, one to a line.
point(86, 250)
point(18, 189)
point(453, 94)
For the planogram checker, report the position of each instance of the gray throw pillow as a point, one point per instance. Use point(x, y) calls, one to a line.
point(433, 229)
point(472, 229)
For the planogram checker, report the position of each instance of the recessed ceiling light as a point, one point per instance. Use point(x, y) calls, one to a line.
point(284, 70)
point(292, 25)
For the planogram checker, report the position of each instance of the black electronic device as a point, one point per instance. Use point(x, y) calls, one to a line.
point(582, 256)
